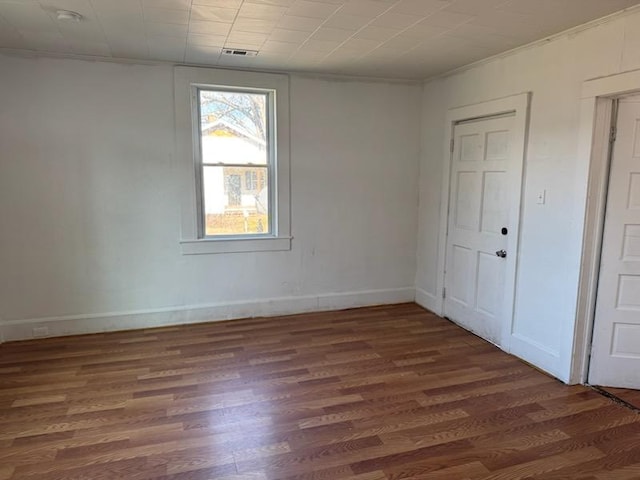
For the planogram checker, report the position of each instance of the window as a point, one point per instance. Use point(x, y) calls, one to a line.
point(233, 156)
point(235, 144)
point(251, 180)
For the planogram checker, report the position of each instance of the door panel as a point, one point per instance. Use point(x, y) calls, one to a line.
point(466, 201)
point(461, 262)
point(490, 284)
point(615, 359)
point(479, 209)
point(494, 198)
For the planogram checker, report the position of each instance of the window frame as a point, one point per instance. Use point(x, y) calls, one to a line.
point(188, 82)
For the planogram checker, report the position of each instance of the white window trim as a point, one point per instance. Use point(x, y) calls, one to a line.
point(187, 163)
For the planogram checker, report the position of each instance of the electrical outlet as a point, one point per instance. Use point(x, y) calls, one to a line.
point(39, 332)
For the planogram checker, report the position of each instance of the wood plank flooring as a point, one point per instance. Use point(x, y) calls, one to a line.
point(368, 394)
point(632, 397)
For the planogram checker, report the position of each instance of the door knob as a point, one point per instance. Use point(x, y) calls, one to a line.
point(502, 253)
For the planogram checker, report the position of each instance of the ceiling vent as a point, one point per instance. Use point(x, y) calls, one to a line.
point(239, 52)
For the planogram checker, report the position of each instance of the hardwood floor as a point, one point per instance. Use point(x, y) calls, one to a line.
point(377, 393)
point(632, 397)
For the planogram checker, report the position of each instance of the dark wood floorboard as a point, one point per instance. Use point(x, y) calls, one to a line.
point(388, 392)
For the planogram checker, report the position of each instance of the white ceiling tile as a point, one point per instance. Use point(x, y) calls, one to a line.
point(366, 8)
point(206, 40)
point(280, 3)
point(246, 39)
point(121, 7)
point(12, 40)
point(209, 28)
point(386, 53)
point(396, 20)
point(447, 19)
point(349, 22)
point(129, 50)
point(307, 57)
point(165, 15)
point(483, 36)
point(343, 36)
point(254, 25)
point(541, 7)
point(261, 11)
point(82, 32)
point(401, 42)
point(130, 28)
point(279, 47)
point(340, 58)
point(507, 23)
point(334, 2)
point(236, 61)
point(473, 7)
point(377, 33)
point(284, 35)
point(420, 7)
point(118, 12)
point(220, 3)
point(213, 14)
point(423, 31)
point(304, 8)
point(243, 45)
point(320, 45)
point(329, 33)
point(28, 16)
point(202, 55)
point(166, 29)
point(306, 24)
point(8, 33)
point(46, 42)
point(175, 4)
point(360, 45)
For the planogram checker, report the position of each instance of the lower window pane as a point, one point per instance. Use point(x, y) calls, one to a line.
point(236, 200)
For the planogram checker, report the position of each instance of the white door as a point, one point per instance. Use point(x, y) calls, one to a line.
point(482, 229)
point(615, 356)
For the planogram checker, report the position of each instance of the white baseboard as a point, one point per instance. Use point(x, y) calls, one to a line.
point(24, 329)
point(536, 354)
point(428, 300)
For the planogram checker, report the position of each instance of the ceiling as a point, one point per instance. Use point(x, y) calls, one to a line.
point(380, 38)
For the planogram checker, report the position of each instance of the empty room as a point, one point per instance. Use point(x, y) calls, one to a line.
point(319, 239)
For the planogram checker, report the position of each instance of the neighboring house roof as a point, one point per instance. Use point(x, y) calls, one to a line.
point(220, 124)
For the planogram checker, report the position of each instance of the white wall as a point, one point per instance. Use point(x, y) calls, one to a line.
point(89, 210)
point(551, 234)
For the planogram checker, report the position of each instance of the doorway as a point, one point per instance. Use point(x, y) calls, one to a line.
point(615, 348)
point(479, 225)
point(481, 203)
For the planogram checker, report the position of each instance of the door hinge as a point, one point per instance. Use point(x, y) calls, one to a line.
point(451, 143)
point(444, 292)
point(613, 133)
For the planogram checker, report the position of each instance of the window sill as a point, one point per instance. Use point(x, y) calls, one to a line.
point(209, 246)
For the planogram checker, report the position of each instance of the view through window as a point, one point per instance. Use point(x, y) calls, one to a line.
point(236, 159)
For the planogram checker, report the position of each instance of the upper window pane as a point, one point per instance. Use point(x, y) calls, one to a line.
point(233, 127)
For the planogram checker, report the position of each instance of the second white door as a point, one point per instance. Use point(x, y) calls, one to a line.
point(615, 356)
point(480, 258)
